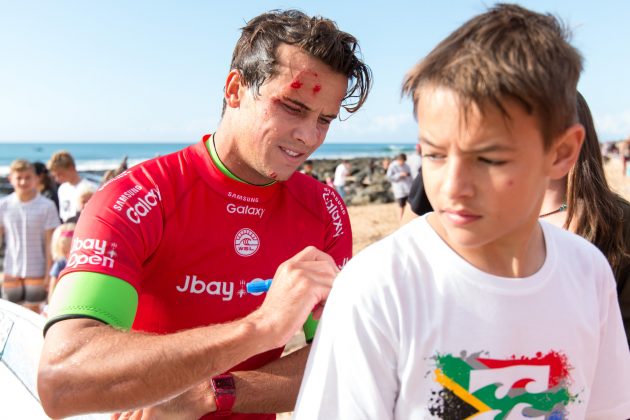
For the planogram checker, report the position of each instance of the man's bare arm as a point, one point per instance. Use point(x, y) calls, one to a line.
point(87, 366)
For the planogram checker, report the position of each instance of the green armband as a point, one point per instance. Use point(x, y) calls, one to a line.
point(309, 327)
point(94, 295)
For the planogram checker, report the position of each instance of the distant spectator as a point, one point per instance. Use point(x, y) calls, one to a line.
point(385, 163)
point(414, 160)
point(113, 173)
point(307, 169)
point(46, 186)
point(27, 219)
point(63, 169)
point(399, 174)
point(342, 172)
point(84, 193)
point(60, 250)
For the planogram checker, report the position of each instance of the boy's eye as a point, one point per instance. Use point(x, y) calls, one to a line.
point(324, 121)
point(433, 156)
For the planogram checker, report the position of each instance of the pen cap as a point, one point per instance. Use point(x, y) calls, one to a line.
point(309, 327)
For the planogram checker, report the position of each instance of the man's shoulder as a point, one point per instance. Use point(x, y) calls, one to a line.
point(313, 195)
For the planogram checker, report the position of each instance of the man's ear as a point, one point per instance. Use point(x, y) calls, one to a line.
point(234, 89)
point(566, 150)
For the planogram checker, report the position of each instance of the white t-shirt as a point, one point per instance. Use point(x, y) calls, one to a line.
point(69, 197)
point(25, 225)
point(413, 331)
point(341, 173)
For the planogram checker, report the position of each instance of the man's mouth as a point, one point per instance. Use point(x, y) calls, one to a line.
point(290, 152)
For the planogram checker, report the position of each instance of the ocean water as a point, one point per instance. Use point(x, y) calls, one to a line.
point(103, 156)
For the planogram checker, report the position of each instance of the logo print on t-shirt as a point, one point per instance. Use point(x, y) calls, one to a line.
point(524, 387)
point(246, 242)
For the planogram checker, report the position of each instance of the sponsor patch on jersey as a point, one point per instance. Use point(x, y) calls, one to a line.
point(224, 289)
point(335, 210)
point(142, 205)
point(243, 197)
point(244, 209)
point(246, 242)
point(90, 251)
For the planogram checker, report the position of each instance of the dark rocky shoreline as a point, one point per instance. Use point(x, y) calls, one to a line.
point(367, 185)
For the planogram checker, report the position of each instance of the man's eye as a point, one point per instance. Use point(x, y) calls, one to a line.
point(291, 109)
point(492, 162)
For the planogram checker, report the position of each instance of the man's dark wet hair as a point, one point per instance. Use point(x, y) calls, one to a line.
point(255, 52)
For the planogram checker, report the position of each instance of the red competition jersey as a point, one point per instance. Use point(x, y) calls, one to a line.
point(188, 238)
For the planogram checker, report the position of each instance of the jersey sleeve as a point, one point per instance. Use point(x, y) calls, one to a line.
point(351, 370)
point(119, 229)
point(610, 394)
point(338, 241)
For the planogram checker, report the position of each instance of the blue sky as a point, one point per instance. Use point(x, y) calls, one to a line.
point(154, 70)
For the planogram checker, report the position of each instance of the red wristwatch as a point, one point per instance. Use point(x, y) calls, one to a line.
point(224, 393)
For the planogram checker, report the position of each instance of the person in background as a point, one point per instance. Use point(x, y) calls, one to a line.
point(307, 169)
point(480, 309)
point(399, 175)
point(61, 244)
point(155, 311)
point(46, 185)
point(84, 193)
point(27, 221)
point(63, 169)
point(342, 173)
point(583, 203)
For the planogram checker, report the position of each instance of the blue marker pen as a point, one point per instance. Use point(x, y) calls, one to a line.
point(258, 286)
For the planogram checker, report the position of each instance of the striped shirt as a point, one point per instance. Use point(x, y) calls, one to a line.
point(25, 225)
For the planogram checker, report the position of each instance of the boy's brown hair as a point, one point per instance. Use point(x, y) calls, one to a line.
point(507, 53)
point(21, 165)
point(61, 160)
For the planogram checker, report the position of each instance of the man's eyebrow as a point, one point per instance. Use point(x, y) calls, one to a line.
point(306, 108)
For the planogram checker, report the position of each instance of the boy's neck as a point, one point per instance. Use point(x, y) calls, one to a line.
point(74, 178)
point(522, 255)
point(25, 196)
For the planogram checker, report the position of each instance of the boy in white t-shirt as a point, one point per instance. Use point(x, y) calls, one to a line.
point(63, 170)
point(479, 309)
point(27, 221)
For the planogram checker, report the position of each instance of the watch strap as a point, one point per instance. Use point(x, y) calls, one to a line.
point(224, 393)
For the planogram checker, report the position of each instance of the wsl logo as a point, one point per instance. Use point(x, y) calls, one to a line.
point(246, 242)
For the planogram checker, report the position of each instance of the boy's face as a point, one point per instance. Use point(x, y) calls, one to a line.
point(485, 176)
point(288, 121)
point(24, 182)
point(60, 175)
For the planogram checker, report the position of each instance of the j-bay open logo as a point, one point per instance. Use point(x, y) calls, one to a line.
point(246, 242)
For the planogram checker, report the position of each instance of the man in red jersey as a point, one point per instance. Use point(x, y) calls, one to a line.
point(152, 312)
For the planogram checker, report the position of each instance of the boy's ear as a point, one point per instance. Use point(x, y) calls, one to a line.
point(234, 89)
point(565, 150)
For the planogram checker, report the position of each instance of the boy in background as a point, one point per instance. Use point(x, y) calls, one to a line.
point(27, 220)
point(64, 171)
point(478, 308)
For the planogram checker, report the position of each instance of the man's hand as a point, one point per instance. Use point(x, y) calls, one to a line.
point(301, 285)
point(192, 404)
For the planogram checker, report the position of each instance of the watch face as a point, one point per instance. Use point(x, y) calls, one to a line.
point(223, 383)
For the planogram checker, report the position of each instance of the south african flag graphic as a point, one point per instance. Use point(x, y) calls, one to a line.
point(478, 387)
